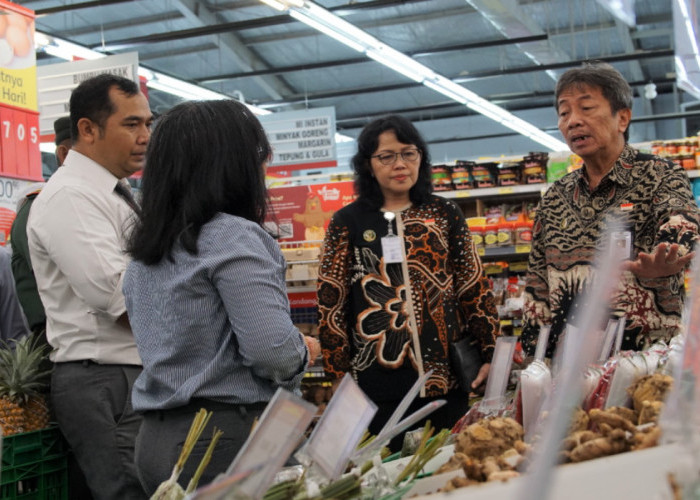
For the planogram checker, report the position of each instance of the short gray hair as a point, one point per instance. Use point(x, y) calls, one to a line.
point(610, 81)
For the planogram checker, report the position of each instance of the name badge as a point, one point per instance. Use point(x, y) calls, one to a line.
point(391, 249)
point(622, 244)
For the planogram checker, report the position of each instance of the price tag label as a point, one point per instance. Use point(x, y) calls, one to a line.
point(523, 248)
point(285, 418)
point(463, 194)
point(341, 428)
point(506, 190)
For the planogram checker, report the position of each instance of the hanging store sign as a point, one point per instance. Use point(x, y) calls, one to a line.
point(19, 133)
point(57, 81)
point(301, 140)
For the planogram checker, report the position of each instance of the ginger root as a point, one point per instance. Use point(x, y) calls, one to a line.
point(454, 463)
point(650, 412)
point(458, 482)
point(615, 443)
point(650, 388)
point(578, 438)
point(579, 421)
point(608, 418)
point(489, 437)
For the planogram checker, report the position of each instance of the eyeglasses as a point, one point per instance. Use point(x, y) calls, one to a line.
point(410, 155)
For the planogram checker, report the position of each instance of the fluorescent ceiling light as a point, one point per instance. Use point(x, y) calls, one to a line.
point(274, 4)
point(70, 51)
point(621, 9)
point(328, 23)
point(309, 21)
point(396, 65)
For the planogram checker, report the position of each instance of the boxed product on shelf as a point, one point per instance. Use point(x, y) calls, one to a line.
point(484, 174)
point(508, 173)
point(535, 168)
point(441, 178)
point(462, 175)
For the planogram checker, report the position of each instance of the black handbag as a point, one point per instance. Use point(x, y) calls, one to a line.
point(465, 360)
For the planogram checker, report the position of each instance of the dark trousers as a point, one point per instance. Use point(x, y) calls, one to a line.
point(443, 418)
point(163, 434)
point(93, 409)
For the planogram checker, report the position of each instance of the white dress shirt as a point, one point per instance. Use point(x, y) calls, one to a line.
point(77, 231)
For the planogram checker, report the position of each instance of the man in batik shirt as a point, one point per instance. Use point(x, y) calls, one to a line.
point(650, 194)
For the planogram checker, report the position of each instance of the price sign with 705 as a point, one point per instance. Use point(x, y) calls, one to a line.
point(19, 144)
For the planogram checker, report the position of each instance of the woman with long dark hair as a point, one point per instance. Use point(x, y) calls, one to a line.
point(205, 292)
point(400, 280)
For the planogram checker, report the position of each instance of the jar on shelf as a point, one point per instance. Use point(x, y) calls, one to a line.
point(491, 235)
point(688, 161)
point(505, 234)
point(523, 232)
point(477, 233)
point(657, 148)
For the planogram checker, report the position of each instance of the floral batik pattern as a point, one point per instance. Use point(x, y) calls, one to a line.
point(363, 304)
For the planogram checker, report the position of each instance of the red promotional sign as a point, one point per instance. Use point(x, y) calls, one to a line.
point(19, 119)
point(302, 213)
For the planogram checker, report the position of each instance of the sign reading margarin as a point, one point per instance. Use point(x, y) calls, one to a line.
point(301, 139)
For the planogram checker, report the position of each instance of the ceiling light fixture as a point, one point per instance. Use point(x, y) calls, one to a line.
point(328, 23)
point(70, 51)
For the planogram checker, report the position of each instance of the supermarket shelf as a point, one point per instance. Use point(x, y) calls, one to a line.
point(693, 173)
point(300, 289)
point(494, 191)
point(509, 251)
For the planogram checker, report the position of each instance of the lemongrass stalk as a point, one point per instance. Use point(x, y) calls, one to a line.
point(192, 485)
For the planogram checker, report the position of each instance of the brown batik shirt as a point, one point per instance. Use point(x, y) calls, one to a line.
point(653, 197)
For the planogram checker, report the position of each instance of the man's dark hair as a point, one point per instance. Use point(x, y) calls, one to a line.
point(91, 100)
point(204, 158)
point(612, 84)
point(366, 185)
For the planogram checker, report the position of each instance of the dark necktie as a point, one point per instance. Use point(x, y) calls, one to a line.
point(125, 193)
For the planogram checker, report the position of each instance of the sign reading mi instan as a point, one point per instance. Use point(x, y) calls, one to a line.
point(19, 117)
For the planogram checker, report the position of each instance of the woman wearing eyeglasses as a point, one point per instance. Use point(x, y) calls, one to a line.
point(372, 324)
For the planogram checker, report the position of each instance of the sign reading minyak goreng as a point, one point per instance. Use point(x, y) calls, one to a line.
point(301, 140)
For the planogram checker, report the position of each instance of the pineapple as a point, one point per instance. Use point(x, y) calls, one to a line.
point(22, 405)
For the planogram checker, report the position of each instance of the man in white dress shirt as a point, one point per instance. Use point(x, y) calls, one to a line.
point(77, 231)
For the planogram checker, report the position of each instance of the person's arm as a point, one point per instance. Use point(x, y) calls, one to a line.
point(475, 298)
point(333, 292)
point(74, 231)
point(676, 216)
point(12, 322)
point(249, 280)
